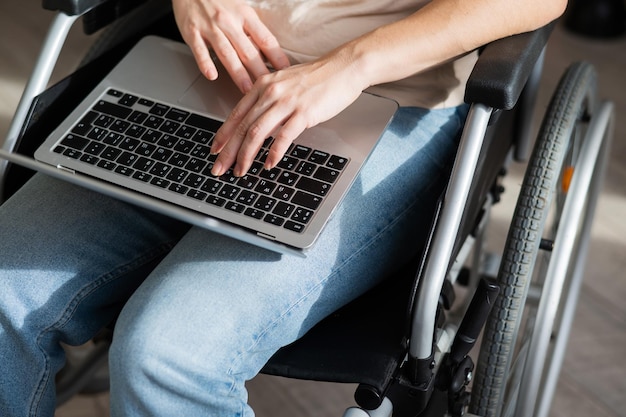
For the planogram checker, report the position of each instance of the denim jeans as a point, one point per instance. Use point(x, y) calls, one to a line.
point(198, 314)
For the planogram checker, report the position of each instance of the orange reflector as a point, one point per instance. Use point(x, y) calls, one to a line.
point(568, 173)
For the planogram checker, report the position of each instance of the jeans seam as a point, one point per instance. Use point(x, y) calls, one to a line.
point(70, 308)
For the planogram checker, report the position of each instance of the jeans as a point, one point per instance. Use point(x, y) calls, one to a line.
point(197, 314)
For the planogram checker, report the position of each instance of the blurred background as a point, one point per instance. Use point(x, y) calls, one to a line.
point(593, 378)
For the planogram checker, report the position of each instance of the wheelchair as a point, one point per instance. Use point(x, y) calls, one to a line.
point(409, 343)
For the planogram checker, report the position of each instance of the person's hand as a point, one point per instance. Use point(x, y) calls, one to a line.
point(234, 31)
point(283, 104)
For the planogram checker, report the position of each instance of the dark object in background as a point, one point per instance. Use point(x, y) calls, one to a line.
point(596, 18)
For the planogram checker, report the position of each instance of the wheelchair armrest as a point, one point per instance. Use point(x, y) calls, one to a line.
point(72, 7)
point(97, 13)
point(503, 68)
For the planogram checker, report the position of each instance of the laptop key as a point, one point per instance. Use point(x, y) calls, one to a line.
point(159, 109)
point(176, 174)
point(273, 219)
point(143, 164)
point(203, 123)
point(313, 186)
point(337, 162)
point(169, 126)
point(265, 203)
point(247, 197)
point(98, 133)
point(326, 174)
point(138, 117)
point(112, 138)
point(283, 209)
point(216, 201)
point(119, 126)
point(300, 151)
point(247, 181)
point(114, 93)
point(177, 115)
point(129, 144)
point(302, 215)
point(283, 192)
point(318, 157)
point(178, 188)
point(194, 180)
point(306, 168)
point(112, 109)
point(293, 226)
point(287, 178)
point(135, 130)
point(90, 159)
point(145, 149)
point(178, 159)
point(83, 127)
point(306, 200)
point(162, 154)
point(72, 153)
point(160, 182)
point(75, 142)
point(236, 207)
point(160, 169)
point(265, 187)
point(142, 176)
point(124, 170)
point(184, 146)
point(153, 122)
point(211, 186)
point(127, 158)
point(229, 191)
point(94, 148)
point(252, 212)
point(202, 136)
point(198, 195)
point(108, 165)
point(128, 100)
point(186, 132)
point(288, 163)
point(111, 153)
point(271, 174)
point(152, 135)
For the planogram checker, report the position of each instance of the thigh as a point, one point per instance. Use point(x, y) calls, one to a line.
point(64, 249)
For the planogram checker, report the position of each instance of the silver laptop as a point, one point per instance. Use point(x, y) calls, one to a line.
point(144, 134)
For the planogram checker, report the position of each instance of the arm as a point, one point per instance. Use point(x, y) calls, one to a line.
point(285, 103)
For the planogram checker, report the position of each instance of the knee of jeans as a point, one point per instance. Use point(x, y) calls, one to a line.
point(149, 352)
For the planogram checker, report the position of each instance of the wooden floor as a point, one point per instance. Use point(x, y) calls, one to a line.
point(593, 379)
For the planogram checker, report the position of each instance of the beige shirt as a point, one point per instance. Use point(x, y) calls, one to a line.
point(307, 29)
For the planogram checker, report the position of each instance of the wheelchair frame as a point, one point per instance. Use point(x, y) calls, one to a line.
point(495, 88)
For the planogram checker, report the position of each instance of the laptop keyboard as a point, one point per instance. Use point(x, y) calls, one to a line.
point(169, 148)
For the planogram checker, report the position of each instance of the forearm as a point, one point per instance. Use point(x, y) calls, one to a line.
point(439, 32)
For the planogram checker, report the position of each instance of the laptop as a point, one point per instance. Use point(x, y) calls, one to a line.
point(144, 133)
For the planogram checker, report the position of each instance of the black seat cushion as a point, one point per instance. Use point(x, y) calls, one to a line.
point(364, 342)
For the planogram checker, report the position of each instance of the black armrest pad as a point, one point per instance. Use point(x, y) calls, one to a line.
point(503, 68)
point(72, 7)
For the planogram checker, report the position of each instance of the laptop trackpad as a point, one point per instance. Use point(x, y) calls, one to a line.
point(217, 98)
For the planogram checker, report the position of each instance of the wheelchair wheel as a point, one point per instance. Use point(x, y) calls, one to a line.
point(541, 271)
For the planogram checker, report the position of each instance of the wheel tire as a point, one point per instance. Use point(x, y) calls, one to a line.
point(537, 215)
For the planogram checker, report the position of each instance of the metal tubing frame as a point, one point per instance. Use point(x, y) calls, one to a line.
point(40, 76)
point(455, 199)
point(595, 143)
